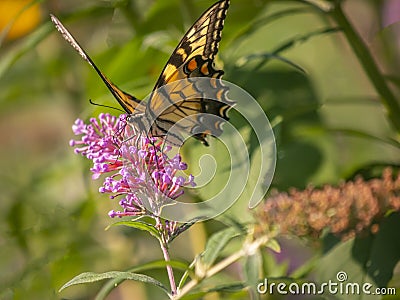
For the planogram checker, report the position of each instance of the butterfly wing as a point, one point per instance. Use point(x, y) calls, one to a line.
point(177, 97)
point(193, 57)
point(128, 102)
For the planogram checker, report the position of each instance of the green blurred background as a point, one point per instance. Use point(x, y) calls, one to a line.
point(328, 120)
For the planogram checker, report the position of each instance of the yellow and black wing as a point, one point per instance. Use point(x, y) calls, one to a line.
point(182, 99)
point(177, 95)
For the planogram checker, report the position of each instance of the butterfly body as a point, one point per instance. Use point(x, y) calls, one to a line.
point(179, 99)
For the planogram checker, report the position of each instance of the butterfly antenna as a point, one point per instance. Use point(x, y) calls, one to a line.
point(107, 106)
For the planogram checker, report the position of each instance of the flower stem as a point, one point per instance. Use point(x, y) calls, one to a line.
point(164, 248)
point(249, 249)
point(369, 65)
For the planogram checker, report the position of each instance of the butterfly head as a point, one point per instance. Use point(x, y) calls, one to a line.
point(139, 122)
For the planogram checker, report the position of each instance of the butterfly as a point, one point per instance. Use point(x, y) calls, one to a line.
point(178, 101)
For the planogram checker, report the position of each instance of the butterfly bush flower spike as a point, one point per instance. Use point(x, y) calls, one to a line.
point(354, 208)
point(140, 174)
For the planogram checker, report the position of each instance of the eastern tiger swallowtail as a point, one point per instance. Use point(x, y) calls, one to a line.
point(192, 58)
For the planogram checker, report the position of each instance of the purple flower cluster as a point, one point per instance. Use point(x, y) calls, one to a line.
point(139, 167)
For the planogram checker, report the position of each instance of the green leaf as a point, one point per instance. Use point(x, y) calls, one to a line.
point(236, 290)
point(89, 277)
point(229, 221)
point(265, 57)
point(272, 267)
point(141, 226)
point(274, 245)
point(394, 283)
point(304, 269)
point(186, 275)
point(182, 228)
point(158, 264)
point(385, 250)
point(217, 243)
point(232, 288)
point(296, 41)
point(366, 135)
point(322, 5)
point(285, 46)
point(252, 268)
point(365, 260)
point(255, 25)
point(229, 287)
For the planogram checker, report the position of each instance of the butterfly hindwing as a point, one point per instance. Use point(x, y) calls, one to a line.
point(186, 107)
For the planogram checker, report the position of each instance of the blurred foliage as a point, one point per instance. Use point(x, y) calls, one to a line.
point(329, 122)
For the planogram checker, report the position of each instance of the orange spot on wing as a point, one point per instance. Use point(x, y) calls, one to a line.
point(220, 93)
point(204, 69)
point(192, 65)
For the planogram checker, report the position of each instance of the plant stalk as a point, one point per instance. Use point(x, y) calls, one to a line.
point(164, 248)
point(368, 63)
point(247, 250)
